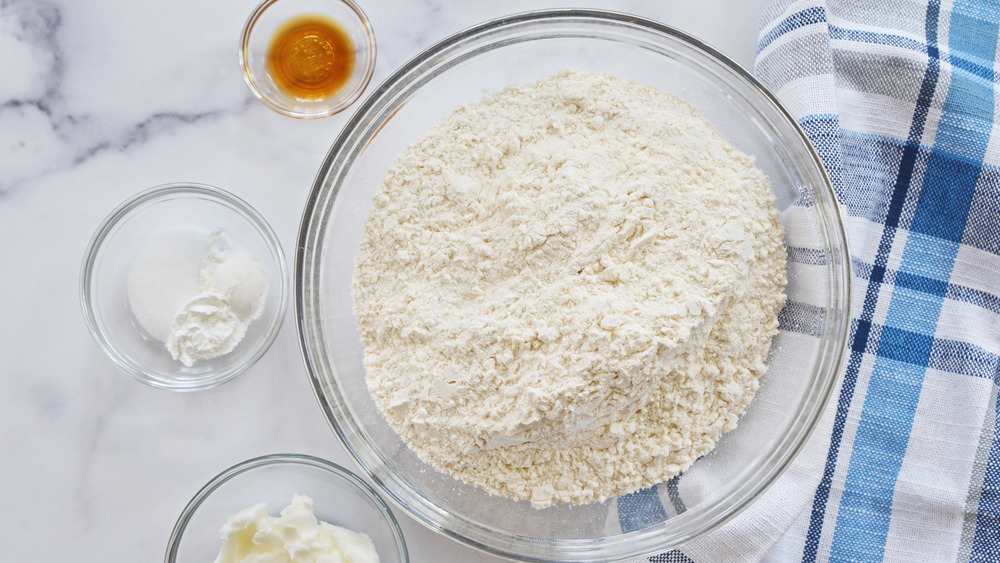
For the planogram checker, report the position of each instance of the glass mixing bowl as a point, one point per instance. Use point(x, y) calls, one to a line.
point(805, 358)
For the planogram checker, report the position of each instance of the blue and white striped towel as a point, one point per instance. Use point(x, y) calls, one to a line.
point(899, 97)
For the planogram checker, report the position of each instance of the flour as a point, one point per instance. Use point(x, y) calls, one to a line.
point(567, 291)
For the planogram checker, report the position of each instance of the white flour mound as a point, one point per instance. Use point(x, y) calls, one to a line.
point(567, 291)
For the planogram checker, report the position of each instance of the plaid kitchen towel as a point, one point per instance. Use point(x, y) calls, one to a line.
point(899, 97)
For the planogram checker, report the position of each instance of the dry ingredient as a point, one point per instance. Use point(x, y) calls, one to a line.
point(163, 277)
point(252, 536)
point(196, 297)
point(567, 291)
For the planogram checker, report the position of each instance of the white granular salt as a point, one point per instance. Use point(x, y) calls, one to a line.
point(162, 278)
point(567, 291)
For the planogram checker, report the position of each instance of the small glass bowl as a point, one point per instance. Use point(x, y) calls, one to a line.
point(268, 18)
point(340, 498)
point(125, 233)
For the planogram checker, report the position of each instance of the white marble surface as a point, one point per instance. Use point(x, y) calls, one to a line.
point(99, 100)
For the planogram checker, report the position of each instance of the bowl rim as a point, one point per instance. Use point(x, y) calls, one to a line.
point(368, 71)
point(312, 227)
point(140, 200)
point(278, 459)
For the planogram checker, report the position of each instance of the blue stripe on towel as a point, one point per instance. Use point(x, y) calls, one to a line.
point(861, 329)
point(860, 36)
point(986, 542)
point(670, 557)
point(640, 509)
point(904, 349)
point(809, 16)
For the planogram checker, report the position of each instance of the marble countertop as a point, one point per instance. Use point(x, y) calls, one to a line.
point(98, 101)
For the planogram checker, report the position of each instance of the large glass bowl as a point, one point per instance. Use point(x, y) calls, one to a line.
point(805, 358)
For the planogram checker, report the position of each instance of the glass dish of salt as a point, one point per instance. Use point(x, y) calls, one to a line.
point(184, 286)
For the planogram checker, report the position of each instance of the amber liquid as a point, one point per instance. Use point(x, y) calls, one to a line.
point(310, 57)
